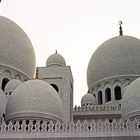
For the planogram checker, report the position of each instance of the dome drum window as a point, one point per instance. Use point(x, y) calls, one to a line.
point(107, 95)
point(4, 82)
point(100, 99)
point(117, 93)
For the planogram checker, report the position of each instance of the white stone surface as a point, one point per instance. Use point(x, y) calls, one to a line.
point(34, 99)
point(62, 77)
point(117, 56)
point(88, 99)
point(56, 59)
point(49, 109)
point(131, 100)
point(16, 50)
point(3, 102)
point(12, 85)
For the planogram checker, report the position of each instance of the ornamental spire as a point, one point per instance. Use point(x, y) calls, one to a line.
point(120, 28)
point(55, 51)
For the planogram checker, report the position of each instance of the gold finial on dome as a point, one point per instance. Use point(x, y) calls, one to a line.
point(37, 74)
point(120, 28)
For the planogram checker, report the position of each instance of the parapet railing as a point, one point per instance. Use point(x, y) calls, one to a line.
point(97, 108)
point(85, 126)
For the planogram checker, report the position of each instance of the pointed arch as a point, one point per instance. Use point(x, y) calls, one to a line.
point(117, 92)
point(4, 82)
point(100, 99)
point(107, 94)
point(7, 73)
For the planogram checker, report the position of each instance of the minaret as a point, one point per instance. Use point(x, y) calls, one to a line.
point(59, 76)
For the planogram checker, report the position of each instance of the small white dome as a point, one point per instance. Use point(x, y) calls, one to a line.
point(16, 50)
point(34, 99)
point(3, 102)
point(56, 59)
point(12, 85)
point(88, 99)
point(131, 100)
point(117, 56)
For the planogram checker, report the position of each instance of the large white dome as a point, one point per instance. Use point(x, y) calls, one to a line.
point(118, 56)
point(34, 99)
point(131, 100)
point(16, 50)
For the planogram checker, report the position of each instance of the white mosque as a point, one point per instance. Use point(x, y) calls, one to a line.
point(40, 107)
